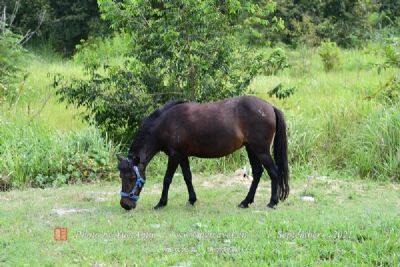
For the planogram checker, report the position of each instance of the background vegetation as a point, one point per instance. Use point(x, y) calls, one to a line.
point(332, 66)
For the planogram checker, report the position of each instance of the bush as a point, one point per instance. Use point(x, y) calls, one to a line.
point(392, 53)
point(329, 53)
point(389, 93)
point(276, 62)
point(35, 155)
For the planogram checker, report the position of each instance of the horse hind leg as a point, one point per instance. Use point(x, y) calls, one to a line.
point(272, 169)
point(257, 171)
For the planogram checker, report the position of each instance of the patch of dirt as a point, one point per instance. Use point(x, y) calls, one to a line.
point(5, 198)
point(63, 212)
point(5, 183)
point(154, 189)
point(240, 177)
point(93, 196)
point(308, 199)
point(103, 193)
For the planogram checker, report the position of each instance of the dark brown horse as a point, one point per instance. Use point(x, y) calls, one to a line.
point(210, 130)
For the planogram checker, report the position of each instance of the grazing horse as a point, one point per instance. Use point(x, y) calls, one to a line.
point(210, 130)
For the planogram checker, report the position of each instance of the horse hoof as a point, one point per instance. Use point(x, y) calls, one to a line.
point(271, 206)
point(191, 202)
point(159, 206)
point(243, 205)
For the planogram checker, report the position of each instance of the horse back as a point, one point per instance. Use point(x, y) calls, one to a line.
point(215, 129)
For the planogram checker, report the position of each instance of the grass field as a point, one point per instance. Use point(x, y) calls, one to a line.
point(350, 223)
point(334, 129)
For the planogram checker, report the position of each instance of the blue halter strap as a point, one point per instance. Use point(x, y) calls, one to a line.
point(139, 184)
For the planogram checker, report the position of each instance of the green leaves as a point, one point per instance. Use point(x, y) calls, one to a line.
point(186, 49)
point(281, 92)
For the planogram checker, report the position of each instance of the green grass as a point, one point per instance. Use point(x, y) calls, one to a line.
point(333, 126)
point(38, 99)
point(352, 222)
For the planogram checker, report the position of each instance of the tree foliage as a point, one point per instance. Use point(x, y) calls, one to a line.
point(71, 21)
point(11, 55)
point(63, 22)
point(346, 22)
point(187, 49)
point(389, 12)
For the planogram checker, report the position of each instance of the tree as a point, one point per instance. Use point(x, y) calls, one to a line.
point(346, 22)
point(187, 49)
point(72, 21)
point(11, 58)
point(63, 22)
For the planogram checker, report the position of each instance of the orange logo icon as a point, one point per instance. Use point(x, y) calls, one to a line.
point(60, 234)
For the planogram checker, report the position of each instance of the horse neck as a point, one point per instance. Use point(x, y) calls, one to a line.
point(145, 152)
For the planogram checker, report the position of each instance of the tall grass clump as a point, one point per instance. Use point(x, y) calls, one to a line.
point(303, 138)
point(32, 154)
point(376, 145)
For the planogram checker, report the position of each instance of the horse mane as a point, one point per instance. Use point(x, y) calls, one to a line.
point(147, 123)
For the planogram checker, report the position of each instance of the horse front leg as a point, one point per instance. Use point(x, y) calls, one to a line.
point(173, 163)
point(187, 175)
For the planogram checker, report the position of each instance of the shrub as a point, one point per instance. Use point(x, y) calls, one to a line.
point(281, 92)
point(392, 53)
point(389, 93)
point(329, 53)
point(276, 61)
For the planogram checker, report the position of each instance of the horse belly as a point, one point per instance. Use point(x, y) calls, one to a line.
point(213, 143)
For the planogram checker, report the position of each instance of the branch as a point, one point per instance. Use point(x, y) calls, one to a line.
point(30, 33)
point(3, 21)
point(14, 13)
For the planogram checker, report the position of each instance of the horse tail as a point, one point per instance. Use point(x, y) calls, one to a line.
point(280, 154)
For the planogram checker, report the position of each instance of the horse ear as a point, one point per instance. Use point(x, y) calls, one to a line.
point(120, 157)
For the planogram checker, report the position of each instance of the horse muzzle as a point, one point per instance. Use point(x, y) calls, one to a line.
point(127, 203)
